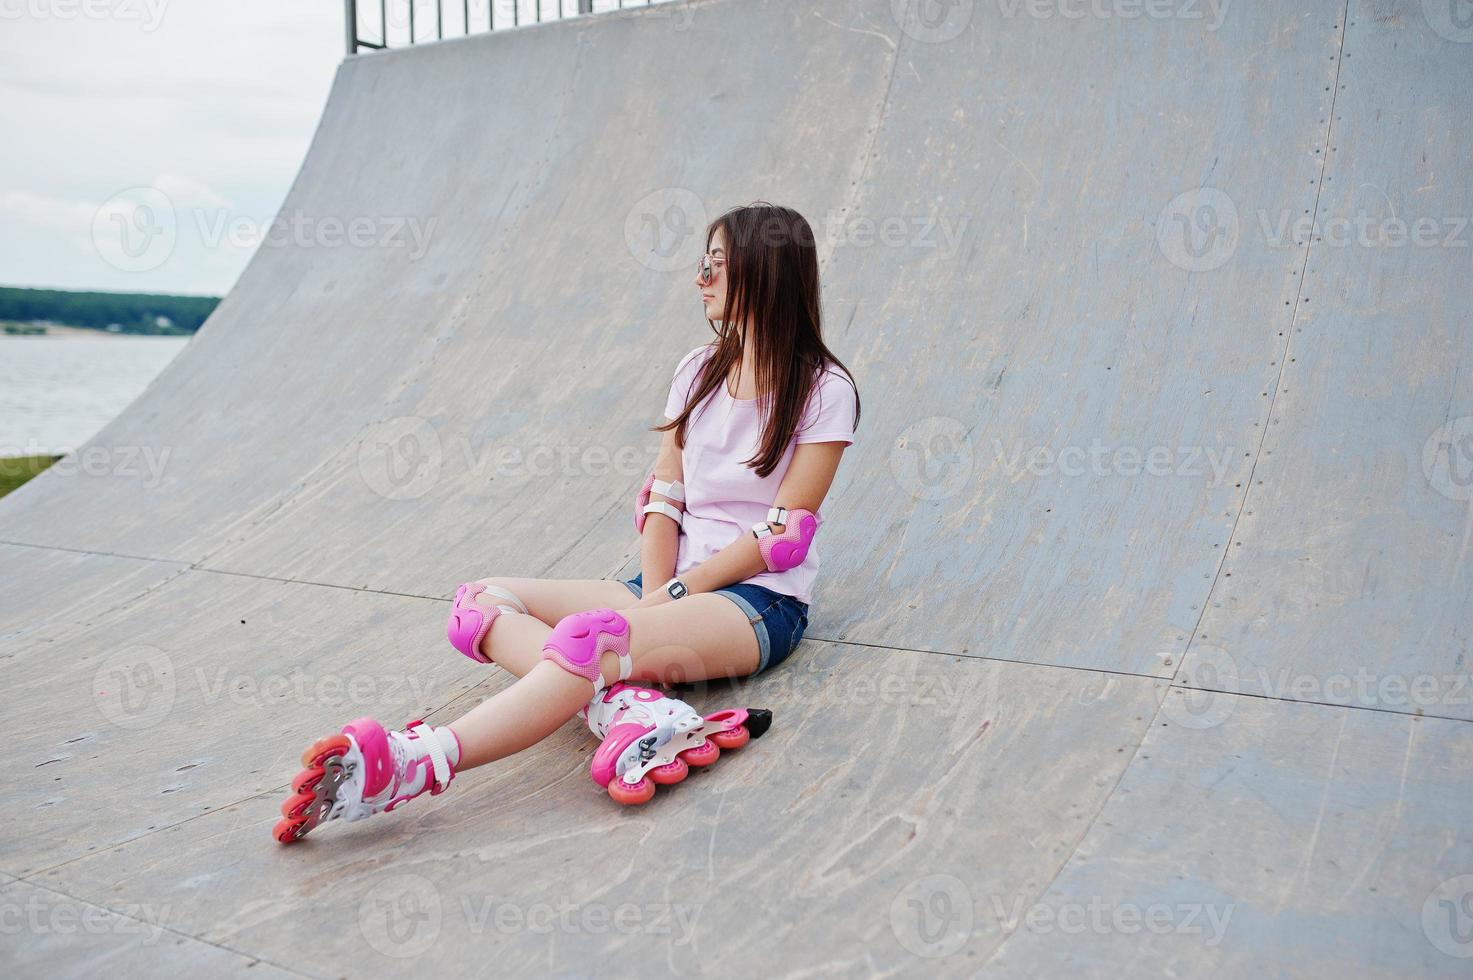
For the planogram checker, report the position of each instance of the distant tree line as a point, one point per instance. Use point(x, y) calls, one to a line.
point(143, 313)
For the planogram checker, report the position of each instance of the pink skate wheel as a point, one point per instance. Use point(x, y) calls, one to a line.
point(288, 830)
point(628, 795)
point(296, 805)
point(702, 755)
point(671, 772)
point(323, 749)
point(733, 738)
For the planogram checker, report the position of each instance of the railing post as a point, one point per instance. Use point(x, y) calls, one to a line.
point(350, 25)
point(353, 43)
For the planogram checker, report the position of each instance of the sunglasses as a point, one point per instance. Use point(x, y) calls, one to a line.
point(706, 268)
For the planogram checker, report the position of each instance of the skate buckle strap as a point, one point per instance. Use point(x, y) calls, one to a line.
point(439, 761)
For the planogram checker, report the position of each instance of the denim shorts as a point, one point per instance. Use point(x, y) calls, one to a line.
point(778, 620)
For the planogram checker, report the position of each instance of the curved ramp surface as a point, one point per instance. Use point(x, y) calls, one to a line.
point(1141, 646)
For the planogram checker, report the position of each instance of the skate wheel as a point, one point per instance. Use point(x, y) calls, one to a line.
point(671, 772)
point(702, 755)
point(289, 831)
point(323, 749)
point(733, 738)
point(296, 805)
point(306, 781)
point(633, 795)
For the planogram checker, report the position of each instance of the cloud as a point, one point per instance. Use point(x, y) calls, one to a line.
point(212, 110)
point(69, 214)
point(46, 213)
point(186, 192)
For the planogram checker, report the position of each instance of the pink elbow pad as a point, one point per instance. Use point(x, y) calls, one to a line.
point(788, 549)
point(675, 491)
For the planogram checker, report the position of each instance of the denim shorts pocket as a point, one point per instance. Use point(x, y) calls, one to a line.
point(768, 611)
point(800, 626)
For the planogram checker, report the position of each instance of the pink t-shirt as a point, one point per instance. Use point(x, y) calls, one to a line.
point(724, 497)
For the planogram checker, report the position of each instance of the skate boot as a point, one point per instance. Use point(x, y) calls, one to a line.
point(650, 738)
point(364, 770)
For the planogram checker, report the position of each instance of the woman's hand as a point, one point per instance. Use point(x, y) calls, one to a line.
point(655, 597)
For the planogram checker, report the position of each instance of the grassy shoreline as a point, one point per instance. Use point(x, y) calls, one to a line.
point(17, 470)
point(10, 328)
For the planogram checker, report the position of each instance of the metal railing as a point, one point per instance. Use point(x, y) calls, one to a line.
point(401, 23)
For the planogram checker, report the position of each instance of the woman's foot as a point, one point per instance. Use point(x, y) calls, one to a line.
point(363, 770)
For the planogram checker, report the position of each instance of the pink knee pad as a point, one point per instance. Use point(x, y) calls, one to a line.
point(469, 623)
point(579, 641)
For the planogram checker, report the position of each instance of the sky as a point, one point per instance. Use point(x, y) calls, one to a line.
point(192, 117)
point(211, 104)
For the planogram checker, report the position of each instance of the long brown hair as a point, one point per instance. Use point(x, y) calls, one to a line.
point(772, 270)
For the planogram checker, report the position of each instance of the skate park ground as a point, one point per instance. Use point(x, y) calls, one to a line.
point(1141, 644)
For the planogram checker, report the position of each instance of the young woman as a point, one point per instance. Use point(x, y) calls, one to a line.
point(756, 423)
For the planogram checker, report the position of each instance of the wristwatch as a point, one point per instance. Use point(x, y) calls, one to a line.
point(675, 588)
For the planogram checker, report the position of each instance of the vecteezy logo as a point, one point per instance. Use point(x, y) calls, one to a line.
point(400, 916)
point(134, 687)
point(1447, 459)
point(932, 917)
point(400, 458)
point(1198, 231)
point(1209, 678)
point(1447, 916)
point(135, 230)
point(932, 459)
point(932, 21)
point(666, 230)
point(1451, 19)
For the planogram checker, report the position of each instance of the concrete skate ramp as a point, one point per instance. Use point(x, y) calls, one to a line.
point(1141, 644)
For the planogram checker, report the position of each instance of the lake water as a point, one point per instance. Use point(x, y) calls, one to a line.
point(56, 392)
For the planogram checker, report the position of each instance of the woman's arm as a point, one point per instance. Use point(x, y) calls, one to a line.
point(806, 484)
point(660, 543)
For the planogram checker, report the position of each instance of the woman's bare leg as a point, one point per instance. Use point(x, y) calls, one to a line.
point(519, 717)
point(699, 637)
point(515, 639)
